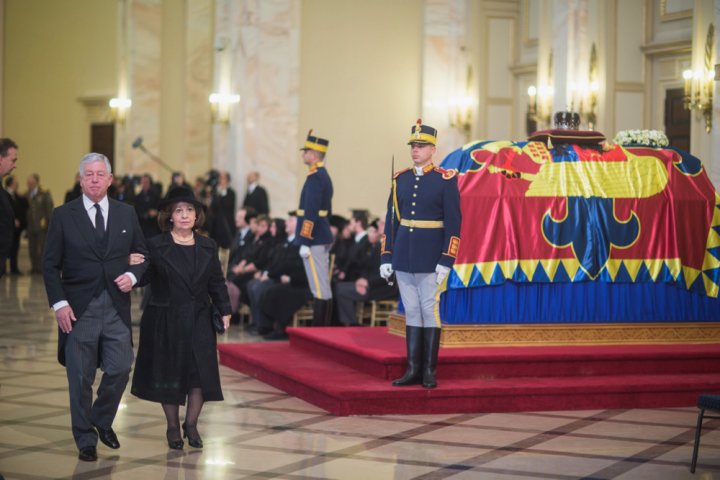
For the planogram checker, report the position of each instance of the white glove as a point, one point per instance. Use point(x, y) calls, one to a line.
point(304, 251)
point(386, 270)
point(442, 272)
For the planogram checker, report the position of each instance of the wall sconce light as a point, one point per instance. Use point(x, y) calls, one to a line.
point(460, 107)
point(119, 108)
point(699, 83)
point(584, 94)
point(540, 101)
point(220, 104)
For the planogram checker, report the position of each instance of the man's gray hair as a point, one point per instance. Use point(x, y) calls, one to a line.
point(94, 157)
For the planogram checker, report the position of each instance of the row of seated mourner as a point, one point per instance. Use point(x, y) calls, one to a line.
point(267, 282)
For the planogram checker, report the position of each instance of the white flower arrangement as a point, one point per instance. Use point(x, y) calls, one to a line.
point(651, 138)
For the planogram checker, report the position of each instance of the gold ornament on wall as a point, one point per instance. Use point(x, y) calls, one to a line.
point(699, 83)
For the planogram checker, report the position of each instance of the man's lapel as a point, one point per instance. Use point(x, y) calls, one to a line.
point(113, 225)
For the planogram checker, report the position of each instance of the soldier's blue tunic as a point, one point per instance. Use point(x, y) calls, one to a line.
point(313, 226)
point(432, 197)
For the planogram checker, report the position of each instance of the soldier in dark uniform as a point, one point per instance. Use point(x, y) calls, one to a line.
point(422, 236)
point(313, 229)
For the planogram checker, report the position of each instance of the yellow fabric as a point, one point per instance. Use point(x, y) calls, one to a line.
point(315, 278)
point(321, 213)
point(421, 223)
point(421, 138)
point(315, 146)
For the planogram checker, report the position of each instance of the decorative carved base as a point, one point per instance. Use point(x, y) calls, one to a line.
point(568, 334)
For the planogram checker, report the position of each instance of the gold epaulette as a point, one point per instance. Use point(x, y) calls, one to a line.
point(399, 172)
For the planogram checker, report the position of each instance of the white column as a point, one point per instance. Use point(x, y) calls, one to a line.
point(712, 162)
point(444, 72)
point(257, 54)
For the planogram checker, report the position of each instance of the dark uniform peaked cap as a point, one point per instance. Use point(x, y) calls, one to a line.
point(315, 143)
point(420, 133)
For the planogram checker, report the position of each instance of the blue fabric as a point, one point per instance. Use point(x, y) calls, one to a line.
point(585, 302)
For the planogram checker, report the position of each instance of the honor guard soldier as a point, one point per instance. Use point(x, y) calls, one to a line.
point(422, 236)
point(313, 227)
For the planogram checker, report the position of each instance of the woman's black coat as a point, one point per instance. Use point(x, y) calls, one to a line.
point(176, 325)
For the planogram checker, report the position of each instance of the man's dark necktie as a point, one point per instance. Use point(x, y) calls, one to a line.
point(99, 223)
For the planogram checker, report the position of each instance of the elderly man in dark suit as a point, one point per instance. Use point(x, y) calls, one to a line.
point(8, 157)
point(88, 280)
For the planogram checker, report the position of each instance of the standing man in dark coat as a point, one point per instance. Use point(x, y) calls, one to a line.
point(20, 208)
point(147, 202)
point(8, 157)
point(422, 237)
point(313, 229)
point(88, 282)
point(222, 211)
point(40, 208)
point(256, 196)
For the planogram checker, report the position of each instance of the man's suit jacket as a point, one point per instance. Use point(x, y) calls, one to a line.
point(7, 227)
point(40, 209)
point(74, 264)
point(258, 200)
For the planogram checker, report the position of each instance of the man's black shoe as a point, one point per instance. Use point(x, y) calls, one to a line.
point(88, 454)
point(108, 437)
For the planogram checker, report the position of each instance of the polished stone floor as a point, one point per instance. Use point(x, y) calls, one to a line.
point(260, 432)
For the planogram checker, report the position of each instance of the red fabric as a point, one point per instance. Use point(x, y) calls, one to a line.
point(346, 371)
point(506, 223)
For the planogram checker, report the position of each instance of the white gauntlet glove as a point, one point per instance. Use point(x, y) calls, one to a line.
point(386, 270)
point(442, 273)
point(304, 251)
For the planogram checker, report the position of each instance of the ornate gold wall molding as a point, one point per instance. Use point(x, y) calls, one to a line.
point(569, 334)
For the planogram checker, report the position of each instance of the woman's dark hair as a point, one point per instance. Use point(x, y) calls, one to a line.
point(165, 215)
point(280, 234)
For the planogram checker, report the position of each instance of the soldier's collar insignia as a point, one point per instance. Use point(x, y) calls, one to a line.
point(448, 174)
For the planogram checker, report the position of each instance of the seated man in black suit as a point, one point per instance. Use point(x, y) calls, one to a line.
point(348, 266)
point(88, 280)
point(286, 270)
point(367, 285)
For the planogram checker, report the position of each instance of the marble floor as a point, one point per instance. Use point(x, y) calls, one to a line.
point(260, 432)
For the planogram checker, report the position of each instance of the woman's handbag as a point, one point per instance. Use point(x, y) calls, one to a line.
point(217, 320)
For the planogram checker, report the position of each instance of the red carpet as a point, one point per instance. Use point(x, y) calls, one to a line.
point(346, 371)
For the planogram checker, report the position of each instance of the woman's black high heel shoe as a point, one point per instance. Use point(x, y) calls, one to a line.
point(174, 440)
point(192, 435)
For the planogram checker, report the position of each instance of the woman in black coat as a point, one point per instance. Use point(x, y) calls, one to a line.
point(177, 357)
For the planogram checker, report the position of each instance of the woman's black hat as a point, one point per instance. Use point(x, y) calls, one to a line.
point(180, 194)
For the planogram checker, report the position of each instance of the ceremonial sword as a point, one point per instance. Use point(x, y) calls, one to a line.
point(390, 280)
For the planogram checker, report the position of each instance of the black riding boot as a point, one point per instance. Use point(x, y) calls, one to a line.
point(321, 308)
point(414, 341)
point(430, 356)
